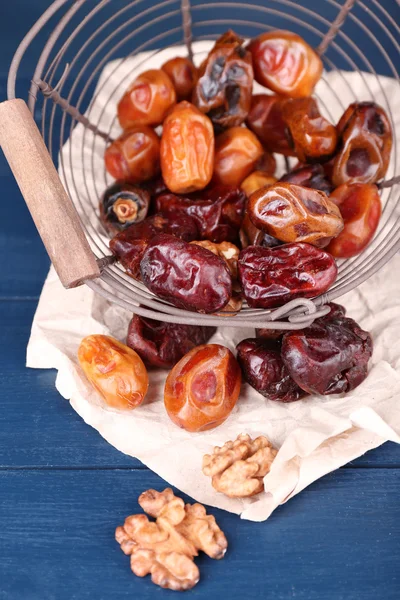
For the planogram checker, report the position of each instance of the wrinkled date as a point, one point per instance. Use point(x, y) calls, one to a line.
point(263, 368)
point(129, 245)
point(162, 344)
point(183, 75)
point(266, 120)
point(311, 176)
point(293, 213)
point(114, 370)
point(236, 152)
point(187, 149)
point(329, 357)
point(218, 211)
point(186, 275)
point(313, 137)
point(225, 83)
point(255, 181)
point(360, 205)
point(251, 236)
point(365, 145)
point(147, 101)
point(285, 63)
point(134, 156)
point(270, 277)
point(123, 204)
point(202, 388)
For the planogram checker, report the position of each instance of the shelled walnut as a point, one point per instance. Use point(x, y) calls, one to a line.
point(166, 548)
point(238, 468)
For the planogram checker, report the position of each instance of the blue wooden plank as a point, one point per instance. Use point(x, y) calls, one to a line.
point(337, 540)
point(38, 428)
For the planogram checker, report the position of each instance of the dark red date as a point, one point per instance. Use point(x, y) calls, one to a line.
point(365, 145)
point(223, 90)
point(218, 211)
point(270, 277)
point(311, 176)
point(187, 275)
point(129, 245)
point(329, 357)
point(266, 121)
point(263, 368)
point(161, 344)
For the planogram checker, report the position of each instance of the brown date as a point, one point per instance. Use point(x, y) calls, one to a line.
point(218, 211)
point(311, 135)
point(266, 164)
point(223, 90)
point(251, 236)
point(236, 153)
point(187, 149)
point(134, 156)
point(188, 276)
point(360, 205)
point(183, 75)
point(270, 277)
point(255, 181)
point(293, 213)
point(266, 121)
point(123, 204)
point(129, 245)
point(147, 100)
point(202, 388)
point(114, 370)
point(311, 176)
point(365, 145)
point(329, 357)
point(161, 344)
point(263, 368)
point(285, 63)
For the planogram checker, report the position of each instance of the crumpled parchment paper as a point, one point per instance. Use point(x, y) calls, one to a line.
point(314, 436)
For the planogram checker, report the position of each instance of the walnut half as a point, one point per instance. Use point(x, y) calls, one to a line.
point(238, 468)
point(165, 548)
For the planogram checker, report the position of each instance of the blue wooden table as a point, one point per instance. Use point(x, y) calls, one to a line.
point(63, 489)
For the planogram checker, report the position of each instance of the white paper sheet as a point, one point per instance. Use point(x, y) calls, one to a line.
point(314, 436)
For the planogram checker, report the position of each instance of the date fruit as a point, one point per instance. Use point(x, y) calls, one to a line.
point(223, 90)
point(202, 388)
point(114, 370)
point(285, 63)
point(187, 149)
point(266, 164)
point(266, 121)
point(123, 204)
point(311, 135)
point(129, 245)
point(311, 176)
point(365, 145)
point(255, 181)
point(251, 236)
point(263, 368)
point(188, 276)
point(218, 211)
point(147, 100)
point(236, 152)
point(329, 357)
point(270, 277)
point(183, 75)
point(134, 156)
point(161, 344)
point(293, 213)
point(360, 205)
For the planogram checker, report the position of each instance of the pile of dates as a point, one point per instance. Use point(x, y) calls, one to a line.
point(194, 168)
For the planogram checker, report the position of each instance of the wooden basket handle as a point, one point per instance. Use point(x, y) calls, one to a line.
point(52, 210)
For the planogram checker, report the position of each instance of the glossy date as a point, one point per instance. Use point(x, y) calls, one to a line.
point(311, 176)
point(237, 151)
point(188, 276)
point(265, 119)
point(270, 277)
point(183, 75)
point(134, 156)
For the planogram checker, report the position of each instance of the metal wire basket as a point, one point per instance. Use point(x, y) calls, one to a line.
point(61, 95)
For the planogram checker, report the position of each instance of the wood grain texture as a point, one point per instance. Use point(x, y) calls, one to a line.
point(338, 540)
point(52, 210)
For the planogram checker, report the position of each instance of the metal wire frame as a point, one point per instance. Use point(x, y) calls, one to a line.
point(131, 23)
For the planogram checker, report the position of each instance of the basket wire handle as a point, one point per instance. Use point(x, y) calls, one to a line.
point(335, 27)
point(52, 210)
